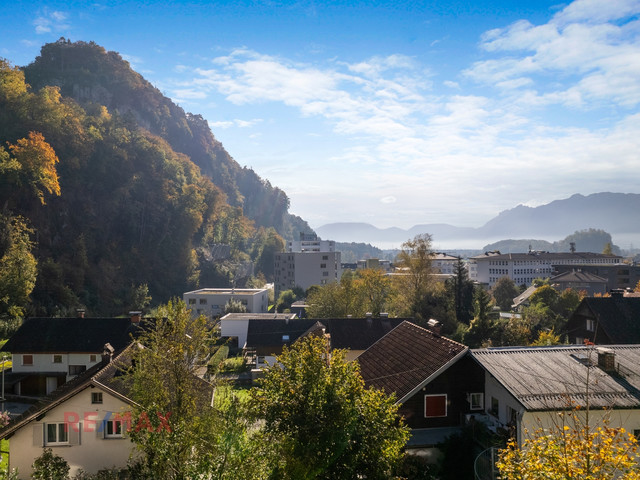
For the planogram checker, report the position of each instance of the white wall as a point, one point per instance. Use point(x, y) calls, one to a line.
point(92, 453)
point(235, 328)
point(43, 362)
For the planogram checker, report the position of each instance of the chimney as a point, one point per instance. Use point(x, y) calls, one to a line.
point(135, 316)
point(107, 353)
point(434, 325)
point(607, 359)
point(80, 312)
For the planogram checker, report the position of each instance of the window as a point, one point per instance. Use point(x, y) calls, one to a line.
point(476, 401)
point(96, 397)
point(325, 257)
point(495, 407)
point(57, 433)
point(435, 406)
point(203, 301)
point(325, 274)
point(76, 369)
point(57, 358)
point(323, 265)
point(113, 429)
point(27, 359)
point(192, 301)
point(591, 325)
point(93, 358)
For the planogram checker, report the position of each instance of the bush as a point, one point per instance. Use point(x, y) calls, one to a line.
point(49, 466)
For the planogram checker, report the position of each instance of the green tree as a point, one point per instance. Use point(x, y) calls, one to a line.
point(287, 297)
point(460, 288)
point(503, 292)
point(18, 267)
point(322, 420)
point(482, 328)
point(608, 249)
point(234, 306)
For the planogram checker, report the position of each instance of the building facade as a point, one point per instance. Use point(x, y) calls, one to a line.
point(212, 301)
point(523, 268)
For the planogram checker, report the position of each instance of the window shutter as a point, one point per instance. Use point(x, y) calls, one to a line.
point(101, 428)
point(38, 435)
point(74, 433)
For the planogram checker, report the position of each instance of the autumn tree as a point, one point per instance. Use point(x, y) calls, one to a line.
point(572, 451)
point(416, 279)
point(460, 288)
point(321, 419)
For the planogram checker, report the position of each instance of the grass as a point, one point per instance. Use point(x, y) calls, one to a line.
point(4, 450)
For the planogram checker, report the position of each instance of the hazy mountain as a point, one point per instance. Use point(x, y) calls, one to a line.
point(616, 213)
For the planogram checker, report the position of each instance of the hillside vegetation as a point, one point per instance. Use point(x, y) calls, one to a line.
point(109, 187)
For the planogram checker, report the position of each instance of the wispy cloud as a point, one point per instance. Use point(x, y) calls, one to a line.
point(49, 21)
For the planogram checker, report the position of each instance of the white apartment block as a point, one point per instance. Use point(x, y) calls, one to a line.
point(303, 269)
point(309, 242)
point(443, 264)
point(523, 268)
point(211, 301)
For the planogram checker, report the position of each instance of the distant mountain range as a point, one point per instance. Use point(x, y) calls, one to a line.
point(616, 213)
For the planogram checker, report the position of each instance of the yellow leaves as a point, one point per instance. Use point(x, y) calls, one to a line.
point(38, 164)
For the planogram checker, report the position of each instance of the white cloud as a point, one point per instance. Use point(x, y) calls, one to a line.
point(51, 21)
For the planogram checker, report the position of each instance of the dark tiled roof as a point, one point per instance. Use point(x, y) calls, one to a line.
point(407, 358)
point(276, 332)
point(547, 256)
point(552, 378)
point(358, 333)
point(44, 335)
point(618, 316)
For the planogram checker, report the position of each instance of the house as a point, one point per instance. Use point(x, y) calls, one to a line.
point(525, 387)
point(84, 421)
point(617, 275)
point(606, 320)
point(236, 325)
point(308, 261)
point(212, 301)
point(267, 337)
point(47, 352)
point(432, 377)
point(579, 280)
point(523, 268)
point(522, 300)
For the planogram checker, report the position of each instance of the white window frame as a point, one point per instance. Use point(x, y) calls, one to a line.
point(61, 429)
point(591, 325)
point(446, 406)
point(476, 401)
point(113, 426)
point(96, 398)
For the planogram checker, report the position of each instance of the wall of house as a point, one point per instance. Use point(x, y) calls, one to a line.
point(532, 421)
point(212, 304)
point(499, 403)
point(43, 362)
point(88, 449)
point(235, 328)
point(457, 382)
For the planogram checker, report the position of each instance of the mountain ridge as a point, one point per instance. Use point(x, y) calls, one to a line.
point(616, 213)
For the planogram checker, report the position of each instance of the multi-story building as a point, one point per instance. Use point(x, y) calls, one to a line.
point(523, 268)
point(308, 261)
point(443, 264)
point(212, 301)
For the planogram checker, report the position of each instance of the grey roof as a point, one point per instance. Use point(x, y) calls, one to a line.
point(552, 378)
point(578, 276)
point(617, 316)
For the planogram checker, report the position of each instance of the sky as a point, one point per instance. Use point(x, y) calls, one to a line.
point(390, 113)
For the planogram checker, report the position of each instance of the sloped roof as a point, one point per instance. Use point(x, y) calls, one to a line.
point(578, 276)
point(358, 333)
point(407, 358)
point(103, 375)
point(524, 296)
point(552, 378)
point(618, 316)
point(75, 334)
point(277, 332)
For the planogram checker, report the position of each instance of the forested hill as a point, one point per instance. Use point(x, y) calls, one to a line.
point(89, 74)
point(99, 196)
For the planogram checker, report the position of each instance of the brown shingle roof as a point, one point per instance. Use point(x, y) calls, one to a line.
point(407, 358)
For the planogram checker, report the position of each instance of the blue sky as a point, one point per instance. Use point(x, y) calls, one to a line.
point(391, 113)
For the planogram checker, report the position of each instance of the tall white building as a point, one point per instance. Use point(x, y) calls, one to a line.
point(523, 268)
point(308, 261)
